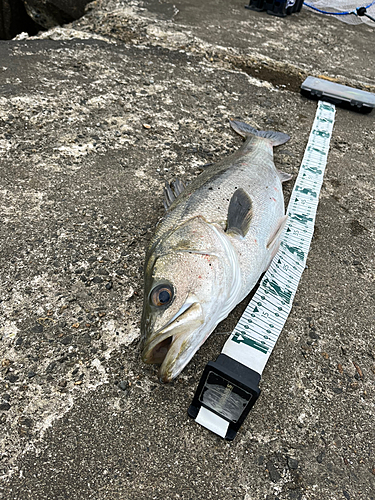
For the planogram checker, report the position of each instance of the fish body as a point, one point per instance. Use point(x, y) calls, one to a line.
point(218, 236)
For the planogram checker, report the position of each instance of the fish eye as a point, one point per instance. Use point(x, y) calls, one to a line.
point(162, 295)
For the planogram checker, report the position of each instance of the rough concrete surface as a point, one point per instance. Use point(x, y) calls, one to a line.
point(95, 116)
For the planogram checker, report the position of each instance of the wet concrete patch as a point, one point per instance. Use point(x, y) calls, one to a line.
point(283, 80)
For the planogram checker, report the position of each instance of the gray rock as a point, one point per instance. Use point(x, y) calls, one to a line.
point(49, 13)
point(14, 20)
point(67, 339)
point(123, 385)
point(292, 463)
point(12, 377)
point(273, 472)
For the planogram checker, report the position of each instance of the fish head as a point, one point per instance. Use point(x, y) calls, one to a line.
point(185, 287)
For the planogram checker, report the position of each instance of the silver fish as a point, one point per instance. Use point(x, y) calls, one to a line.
point(218, 236)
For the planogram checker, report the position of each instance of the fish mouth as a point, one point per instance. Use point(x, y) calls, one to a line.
point(175, 344)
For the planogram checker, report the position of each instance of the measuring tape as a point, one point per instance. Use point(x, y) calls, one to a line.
point(229, 386)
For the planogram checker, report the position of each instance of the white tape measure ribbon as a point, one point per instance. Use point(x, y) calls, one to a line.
point(256, 333)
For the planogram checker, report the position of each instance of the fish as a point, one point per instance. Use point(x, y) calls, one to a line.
point(218, 236)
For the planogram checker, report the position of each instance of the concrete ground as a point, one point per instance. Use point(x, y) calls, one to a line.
point(95, 117)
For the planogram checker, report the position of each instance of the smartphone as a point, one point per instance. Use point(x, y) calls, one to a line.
point(340, 95)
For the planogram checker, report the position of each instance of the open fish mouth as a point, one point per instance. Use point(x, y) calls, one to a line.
point(175, 344)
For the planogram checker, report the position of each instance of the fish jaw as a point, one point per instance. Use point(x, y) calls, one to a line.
point(176, 343)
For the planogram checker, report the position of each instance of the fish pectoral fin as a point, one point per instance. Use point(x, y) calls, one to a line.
point(284, 176)
point(239, 213)
point(274, 243)
point(172, 191)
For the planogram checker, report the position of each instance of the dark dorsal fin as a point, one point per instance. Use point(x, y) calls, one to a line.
point(171, 191)
point(239, 213)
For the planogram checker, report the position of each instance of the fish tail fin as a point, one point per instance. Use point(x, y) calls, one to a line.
point(275, 138)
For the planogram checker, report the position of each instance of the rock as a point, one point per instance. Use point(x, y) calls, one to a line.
point(292, 463)
point(14, 20)
point(337, 390)
point(295, 495)
point(37, 329)
point(4, 406)
point(67, 340)
point(313, 334)
point(273, 472)
point(49, 13)
point(12, 377)
point(50, 368)
point(24, 425)
point(123, 385)
point(86, 339)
